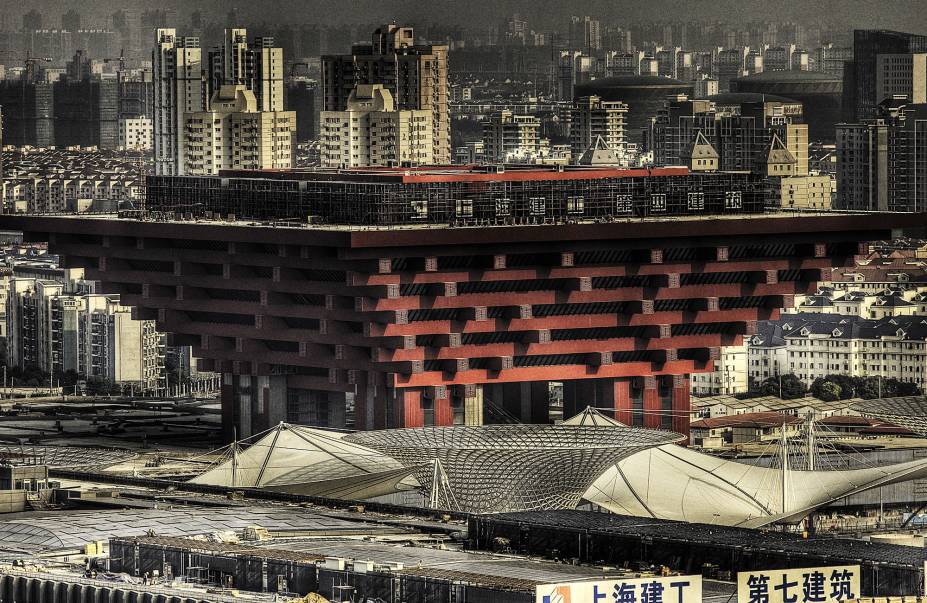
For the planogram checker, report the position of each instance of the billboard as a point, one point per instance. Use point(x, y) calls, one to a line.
point(832, 584)
point(656, 589)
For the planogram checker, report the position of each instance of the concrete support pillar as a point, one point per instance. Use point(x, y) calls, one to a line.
point(611, 397)
point(528, 401)
point(227, 401)
point(337, 409)
point(535, 402)
point(276, 399)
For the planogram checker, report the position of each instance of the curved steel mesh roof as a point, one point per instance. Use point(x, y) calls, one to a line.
point(62, 456)
point(57, 529)
point(497, 468)
point(512, 437)
point(905, 411)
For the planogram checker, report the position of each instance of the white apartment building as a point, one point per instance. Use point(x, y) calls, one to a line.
point(592, 118)
point(815, 345)
point(371, 131)
point(234, 134)
point(509, 138)
point(90, 334)
point(135, 133)
point(728, 377)
point(885, 303)
point(179, 87)
point(58, 194)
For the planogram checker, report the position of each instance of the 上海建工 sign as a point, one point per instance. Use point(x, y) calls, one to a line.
point(668, 589)
point(833, 584)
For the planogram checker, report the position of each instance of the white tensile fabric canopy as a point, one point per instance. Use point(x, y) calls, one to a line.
point(674, 482)
point(665, 482)
point(305, 460)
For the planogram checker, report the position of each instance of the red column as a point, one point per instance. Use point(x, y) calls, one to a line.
point(621, 400)
point(229, 420)
point(652, 407)
point(410, 402)
point(681, 404)
point(360, 403)
point(381, 400)
point(444, 414)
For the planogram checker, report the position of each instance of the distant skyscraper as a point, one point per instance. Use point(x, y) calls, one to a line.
point(862, 93)
point(304, 97)
point(71, 21)
point(246, 79)
point(731, 63)
point(415, 75)
point(28, 111)
point(830, 58)
point(879, 161)
point(86, 106)
point(179, 87)
point(778, 58)
point(902, 75)
point(257, 65)
point(740, 131)
point(32, 20)
point(862, 165)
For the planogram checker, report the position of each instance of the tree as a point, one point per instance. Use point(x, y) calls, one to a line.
point(870, 388)
point(171, 371)
point(68, 378)
point(846, 383)
point(98, 386)
point(828, 392)
point(790, 387)
point(906, 388)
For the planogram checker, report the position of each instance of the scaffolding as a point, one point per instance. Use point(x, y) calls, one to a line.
point(458, 198)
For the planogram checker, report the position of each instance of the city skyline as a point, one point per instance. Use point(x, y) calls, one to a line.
point(547, 13)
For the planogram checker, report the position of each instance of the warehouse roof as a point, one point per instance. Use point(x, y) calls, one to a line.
point(730, 537)
point(755, 420)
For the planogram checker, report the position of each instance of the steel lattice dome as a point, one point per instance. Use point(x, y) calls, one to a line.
point(502, 468)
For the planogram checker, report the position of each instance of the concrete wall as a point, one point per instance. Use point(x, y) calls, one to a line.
point(48, 588)
point(12, 501)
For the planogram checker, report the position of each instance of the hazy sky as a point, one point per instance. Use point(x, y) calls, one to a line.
point(901, 14)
